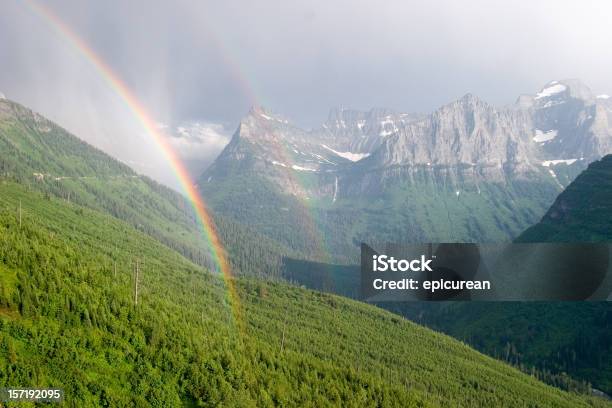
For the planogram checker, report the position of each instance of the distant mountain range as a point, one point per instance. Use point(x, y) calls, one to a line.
point(469, 171)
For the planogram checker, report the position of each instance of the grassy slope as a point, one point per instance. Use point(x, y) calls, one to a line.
point(67, 320)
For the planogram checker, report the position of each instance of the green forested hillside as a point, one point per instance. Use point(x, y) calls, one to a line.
point(68, 318)
point(569, 344)
point(556, 337)
point(581, 213)
point(323, 230)
point(39, 153)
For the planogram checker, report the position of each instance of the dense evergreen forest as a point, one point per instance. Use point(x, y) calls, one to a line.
point(69, 318)
point(75, 224)
point(582, 212)
point(567, 344)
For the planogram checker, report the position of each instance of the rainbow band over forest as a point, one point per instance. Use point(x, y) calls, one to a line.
point(152, 129)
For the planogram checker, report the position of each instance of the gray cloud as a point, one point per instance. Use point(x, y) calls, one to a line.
point(195, 140)
point(210, 60)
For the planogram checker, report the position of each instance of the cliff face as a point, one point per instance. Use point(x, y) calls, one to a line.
point(469, 171)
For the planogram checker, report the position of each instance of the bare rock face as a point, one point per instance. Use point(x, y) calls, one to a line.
point(469, 171)
point(269, 146)
point(466, 141)
point(570, 122)
point(361, 133)
point(468, 131)
point(563, 121)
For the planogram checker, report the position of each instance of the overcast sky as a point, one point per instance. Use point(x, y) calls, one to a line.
point(210, 60)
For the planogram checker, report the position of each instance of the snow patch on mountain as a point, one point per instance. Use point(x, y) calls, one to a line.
point(549, 163)
point(385, 133)
point(541, 137)
point(348, 155)
point(339, 124)
point(300, 168)
point(267, 117)
point(554, 176)
point(2, 96)
point(548, 104)
point(552, 89)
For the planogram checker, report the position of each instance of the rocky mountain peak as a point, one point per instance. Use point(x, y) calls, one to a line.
point(471, 101)
point(465, 113)
point(342, 112)
point(261, 114)
point(560, 91)
point(361, 132)
point(561, 125)
point(467, 104)
point(261, 124)
point(577, 89)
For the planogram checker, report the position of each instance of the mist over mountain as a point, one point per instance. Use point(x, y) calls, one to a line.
point(197, 143)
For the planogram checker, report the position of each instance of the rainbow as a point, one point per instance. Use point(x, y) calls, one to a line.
point(152, 129)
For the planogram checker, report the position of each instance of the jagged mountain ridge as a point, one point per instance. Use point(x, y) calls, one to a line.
point(360, 133)
point(469, 171)
point(563, 123)
point(268, 144)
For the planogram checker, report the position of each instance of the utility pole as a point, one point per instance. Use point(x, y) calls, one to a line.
point(283, 339)
point(136, 284)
